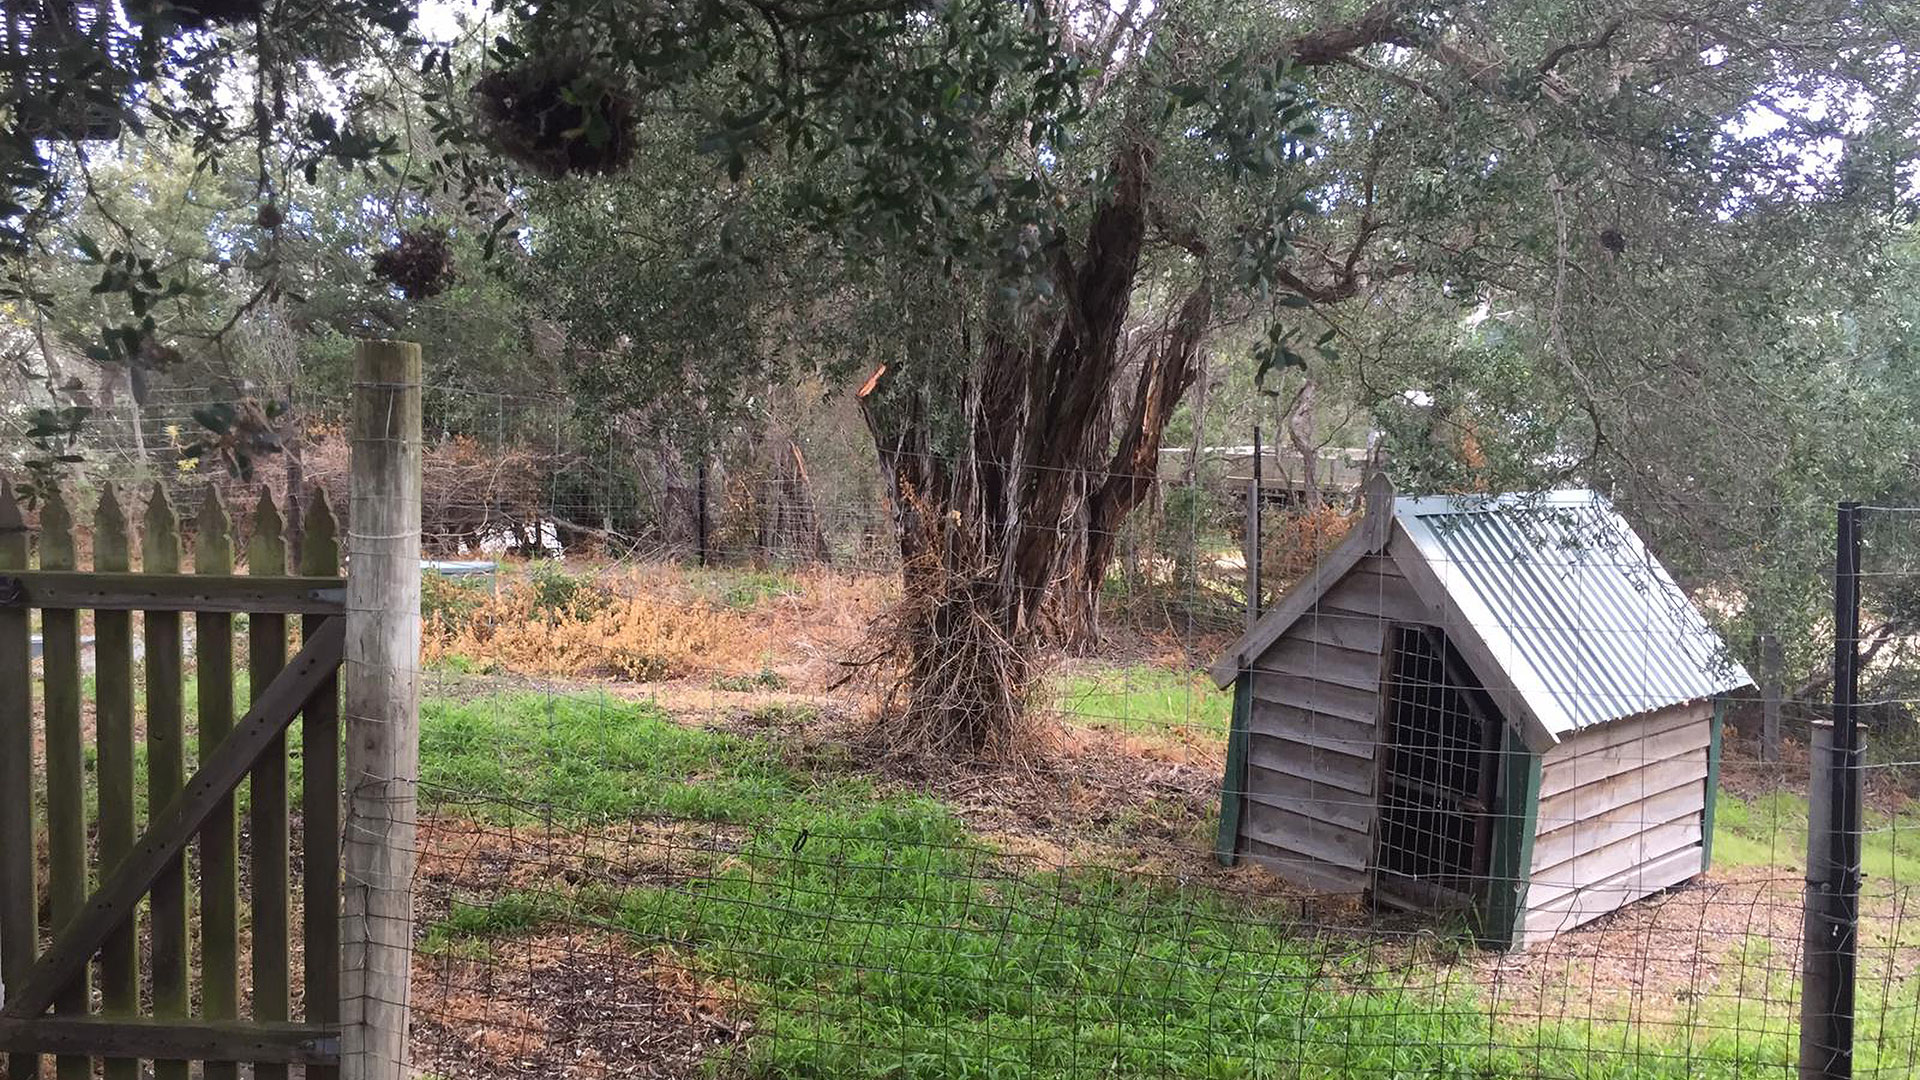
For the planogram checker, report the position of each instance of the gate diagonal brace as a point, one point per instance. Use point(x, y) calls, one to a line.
point(175, 825)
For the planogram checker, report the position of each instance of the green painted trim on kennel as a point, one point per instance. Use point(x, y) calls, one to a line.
point(1516, 822)
point(1233, 785)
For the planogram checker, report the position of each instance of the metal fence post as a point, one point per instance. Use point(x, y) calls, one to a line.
point(1254, 539)
point(1833, 836)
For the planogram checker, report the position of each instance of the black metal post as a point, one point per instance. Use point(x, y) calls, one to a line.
point(1254, 506)
point(702, 521)
point(1826, 1049)
point(1846, 775)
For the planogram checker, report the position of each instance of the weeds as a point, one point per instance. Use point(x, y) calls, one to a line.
point(554, 624)
point(744, 590)
point(558, 596)
point(446, 599)
point(764, 679)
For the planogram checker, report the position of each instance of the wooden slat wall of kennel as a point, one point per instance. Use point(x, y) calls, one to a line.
point(135, 861)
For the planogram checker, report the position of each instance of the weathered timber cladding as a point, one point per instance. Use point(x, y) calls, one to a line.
point(1622, 814)
point(1314, 730)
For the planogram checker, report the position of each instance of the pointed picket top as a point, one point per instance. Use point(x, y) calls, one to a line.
point(111, 551)
point(267, 548)
point(13, 529)
point(213, 535)
point(160, 534)
point(321, 554)
point(56, 533)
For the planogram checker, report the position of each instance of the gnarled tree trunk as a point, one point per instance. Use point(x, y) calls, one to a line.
point(984, 532)
point(1008, 531)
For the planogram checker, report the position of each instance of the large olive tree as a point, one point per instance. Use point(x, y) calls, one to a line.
point(1034, 216)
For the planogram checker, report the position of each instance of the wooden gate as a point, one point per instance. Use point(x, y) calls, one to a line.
point(116, 893)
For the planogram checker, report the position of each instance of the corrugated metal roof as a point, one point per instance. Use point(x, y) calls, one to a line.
point(1587, 623)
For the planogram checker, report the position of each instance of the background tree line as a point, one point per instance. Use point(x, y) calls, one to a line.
point(1016, 249)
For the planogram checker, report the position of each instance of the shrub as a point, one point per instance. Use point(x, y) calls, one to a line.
point(745, 590)
point(450, 599)
point(559, 595)
point(764, 679)
point(558, 624)
point(1296, 541)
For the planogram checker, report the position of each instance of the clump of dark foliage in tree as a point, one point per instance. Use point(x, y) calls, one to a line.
point(420, 265)
point(197, 13)
point(557, 116)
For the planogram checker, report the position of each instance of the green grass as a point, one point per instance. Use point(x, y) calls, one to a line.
point(879, 942)
point(598, 757)
point(1771, 831)
point(190, 695)
point(742, 590)
point(764, 679)
point(870, 935)
point(1145, 696)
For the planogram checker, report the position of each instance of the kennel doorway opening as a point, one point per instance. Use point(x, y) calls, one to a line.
point(1437, 778)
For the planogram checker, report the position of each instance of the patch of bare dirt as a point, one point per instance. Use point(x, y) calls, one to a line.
point(459, 856)
point(1698, 949)
point(1087, 798)
point(566, 1004)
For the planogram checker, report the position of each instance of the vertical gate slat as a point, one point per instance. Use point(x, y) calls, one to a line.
point(320, 801)
point(219, 838)
point(19, 900)
point(66, 778)
point(166, 768)
point(267, 793)
point(114, 756)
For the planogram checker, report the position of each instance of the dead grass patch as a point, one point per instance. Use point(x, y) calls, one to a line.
point(568, 1004)
point(652, 623)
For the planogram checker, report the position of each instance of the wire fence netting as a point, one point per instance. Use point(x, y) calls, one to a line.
point(1471, 810)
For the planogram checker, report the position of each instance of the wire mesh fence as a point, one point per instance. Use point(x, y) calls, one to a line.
point(663, 832)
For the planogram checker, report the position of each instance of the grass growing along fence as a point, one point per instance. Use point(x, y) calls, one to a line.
point(594, 757)
point(868, 933)
point(1144, 697)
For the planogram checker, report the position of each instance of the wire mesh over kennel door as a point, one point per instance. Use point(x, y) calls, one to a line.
point(1437, 777)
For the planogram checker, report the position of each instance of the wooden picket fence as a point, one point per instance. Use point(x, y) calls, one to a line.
point(116, 892)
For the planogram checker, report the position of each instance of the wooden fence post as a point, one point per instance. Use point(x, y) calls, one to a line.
point(1253, 538)
point(19, 907)
point(66, 771)
point(1771, 664)
point(267, 831)
point(382, 710)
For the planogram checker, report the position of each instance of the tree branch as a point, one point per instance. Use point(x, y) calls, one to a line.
point(1600, 41)
point(1385, 23)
